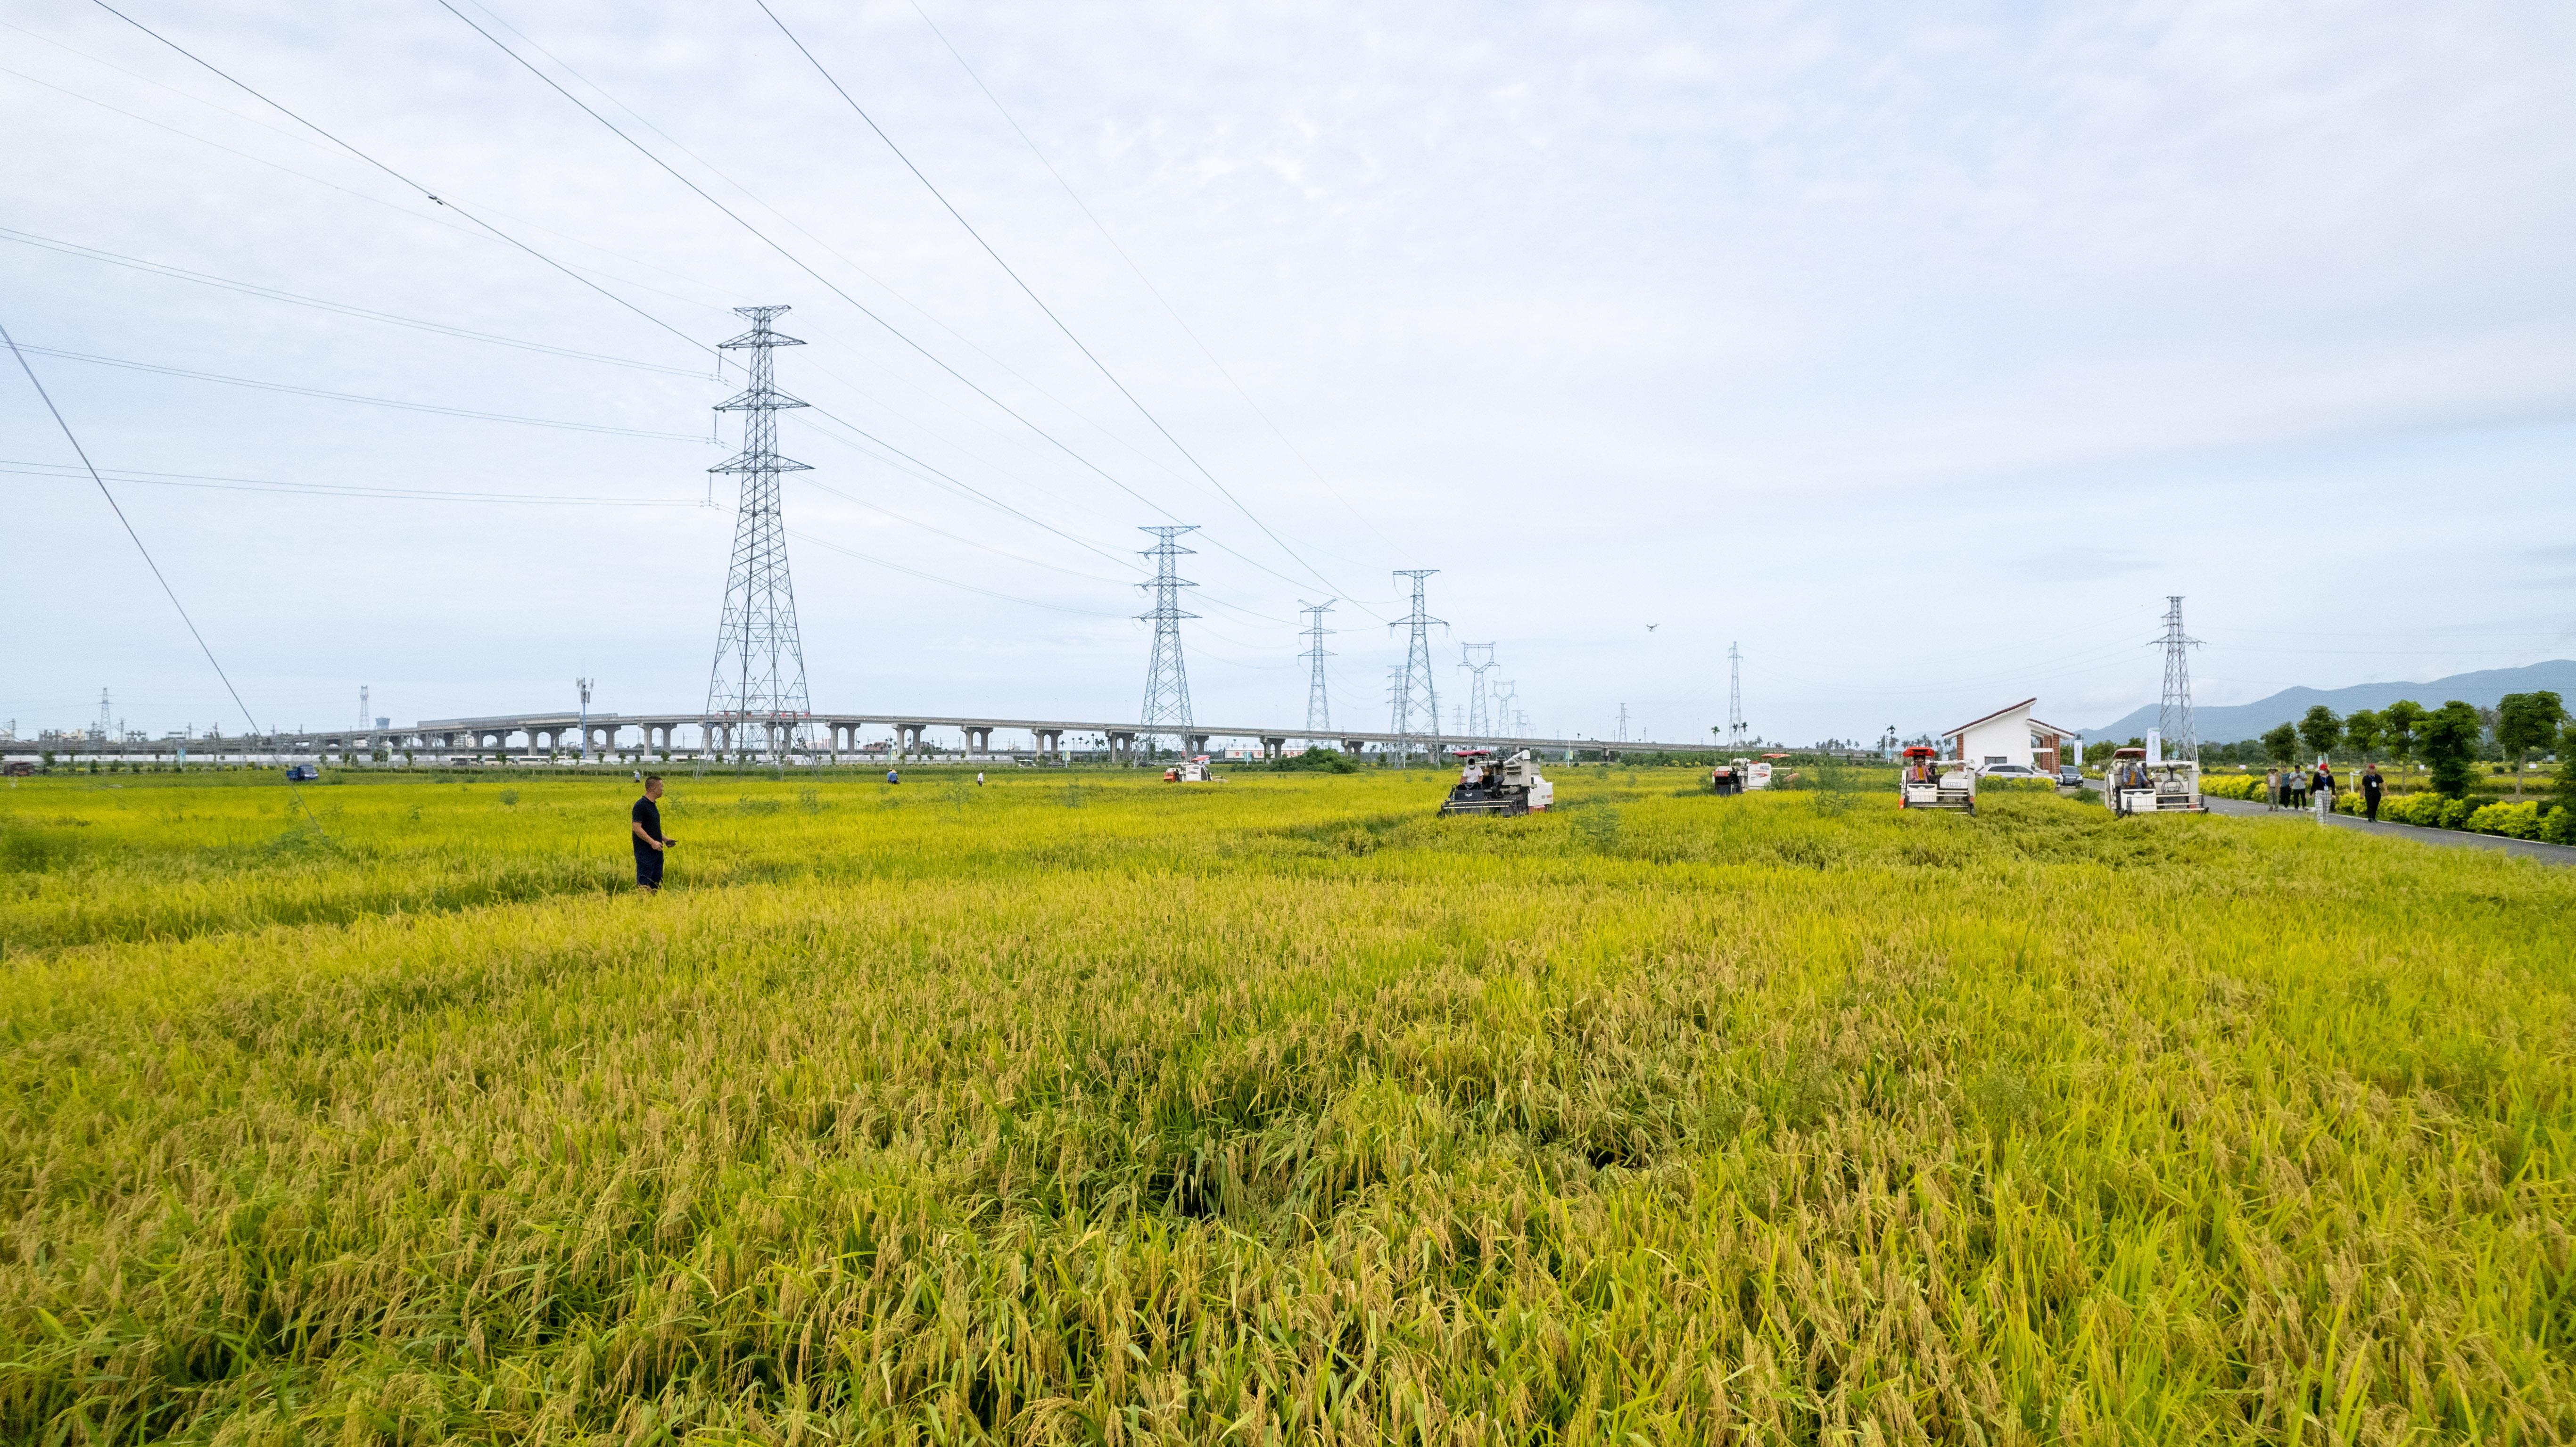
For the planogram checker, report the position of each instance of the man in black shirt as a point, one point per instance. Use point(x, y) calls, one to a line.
point(2371, 785)
point(649, 840)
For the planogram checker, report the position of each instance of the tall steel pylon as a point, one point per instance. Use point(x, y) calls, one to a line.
point(1167, 681)
point(758, 681)
point(1480, 712)
point(1417, 699)
point(1734, 697)
point(106, 717)
point(1506, 693)
point(2173, 712)
point(1623, 723)
point(1480, 720)
point(1319, 709)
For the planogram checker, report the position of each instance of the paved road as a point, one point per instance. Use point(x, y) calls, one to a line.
point(2526, 848)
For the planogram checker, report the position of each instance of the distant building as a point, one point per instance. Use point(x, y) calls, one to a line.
point(2012, 736)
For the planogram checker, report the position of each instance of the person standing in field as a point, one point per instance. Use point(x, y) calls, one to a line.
point(650, 841)
point(2371, 784)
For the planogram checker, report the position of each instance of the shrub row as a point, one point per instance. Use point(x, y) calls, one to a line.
point(2531, 819)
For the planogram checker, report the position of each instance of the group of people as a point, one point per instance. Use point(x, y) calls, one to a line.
point(2315, 788)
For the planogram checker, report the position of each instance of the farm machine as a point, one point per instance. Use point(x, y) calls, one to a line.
point(1506, 786)
point(1191, 771)
point(1921, 784)
point(2138, 782)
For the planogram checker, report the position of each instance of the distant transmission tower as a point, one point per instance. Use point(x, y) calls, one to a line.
point(1480, 722)
point(1167, 682)
point(758, 680)
point(366, 715)
point(2173, 714)
point(1623, 723)
point(1319, 710)
point(1734, 697)
point(1506, 693)
point(1417, 700)
point(1396, 710)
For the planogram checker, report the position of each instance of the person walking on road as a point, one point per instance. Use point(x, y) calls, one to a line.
point(646, 825)
point(2272, 791)
point(2323, 786)
point(2371, 784)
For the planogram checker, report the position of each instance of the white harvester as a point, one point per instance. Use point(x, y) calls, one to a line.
point(2142, 781)
point(1508, 786)
point(1191, 771)
point(1739, 775)
point(1927, 782)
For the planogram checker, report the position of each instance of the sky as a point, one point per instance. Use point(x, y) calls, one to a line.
point(1920, 353)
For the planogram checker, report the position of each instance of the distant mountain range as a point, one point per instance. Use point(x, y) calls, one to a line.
point(2228, 724)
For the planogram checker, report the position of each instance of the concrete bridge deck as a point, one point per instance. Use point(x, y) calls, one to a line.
point(824, 737)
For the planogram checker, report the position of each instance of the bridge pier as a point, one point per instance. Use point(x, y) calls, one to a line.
point(1194, 744)
point(979, 742)
point(1050, 743)
point(1122, 746)
point(1274, 746)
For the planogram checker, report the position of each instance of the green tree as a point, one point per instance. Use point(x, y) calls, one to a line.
point(2448, 740)
point(2282, 743)
point(2397, 725)
point(2524, 722)
point(2362, 730)
point(2321, 730)
point(2567, 767)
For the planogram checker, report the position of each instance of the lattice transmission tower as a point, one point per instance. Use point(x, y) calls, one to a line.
point(2173, 712)
point(1480, 718)
point(1167, 680)
point(1506, 694)
point(1417, 699)
point(1734, 697)
point(1319, 709)
point(756, 690)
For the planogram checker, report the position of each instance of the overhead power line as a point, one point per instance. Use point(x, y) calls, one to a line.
point(292, 389)
point(828, 284)
point(137, 539)
point(1141, 278)
point(251, 288)
point(792, 259)
point(355, 491)
point(1039, 302)
point(407, 181)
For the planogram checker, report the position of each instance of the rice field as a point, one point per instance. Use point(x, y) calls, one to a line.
point(1085, 1108)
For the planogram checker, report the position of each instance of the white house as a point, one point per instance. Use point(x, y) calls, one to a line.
point(2012, 736)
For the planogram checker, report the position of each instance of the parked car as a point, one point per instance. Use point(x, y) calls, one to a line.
point(2009, 771)
point(2070, 776)
point(302, 773)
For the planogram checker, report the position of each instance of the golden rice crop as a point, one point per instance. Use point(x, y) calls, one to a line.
point(1091, 1109)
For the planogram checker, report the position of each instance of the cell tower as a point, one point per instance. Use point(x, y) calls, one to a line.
point(1417, 700)
point(1734, 697)
point(758, 680)
point(2173, 714)
point(1319, 710)
point(1480, 722)
point(1167, 682)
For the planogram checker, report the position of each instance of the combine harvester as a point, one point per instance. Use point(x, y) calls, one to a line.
point(1922, 785)
point(2143, 781)
point(1738, 775)
point(1509, 787)
point(1191, 771)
